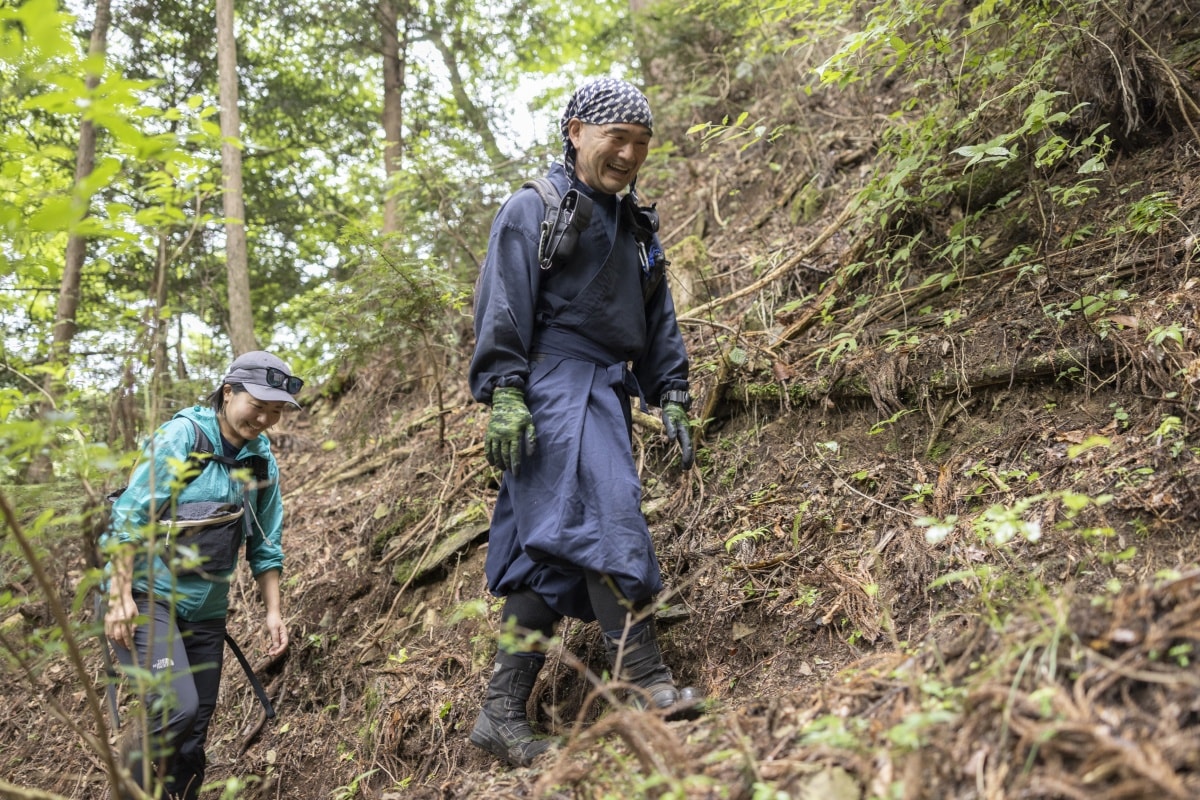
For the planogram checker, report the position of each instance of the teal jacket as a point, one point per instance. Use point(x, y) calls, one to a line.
point(198, 597)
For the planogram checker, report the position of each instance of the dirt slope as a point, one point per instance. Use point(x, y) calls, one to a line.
point(1042, 646)
point(846, 655)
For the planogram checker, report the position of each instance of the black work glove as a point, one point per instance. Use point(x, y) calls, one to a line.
point(510, 430)
point(675, 422)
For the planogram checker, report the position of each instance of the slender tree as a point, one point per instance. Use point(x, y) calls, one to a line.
point(450, 36)
point(241, 318)
point(85, 161)
point(69, 288)
point(395, 53)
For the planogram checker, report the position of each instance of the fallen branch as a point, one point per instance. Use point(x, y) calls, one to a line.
point(937, 380)
point(646, 420)
point(9, 791)
point(260, 720)
point(364, 464)
point(723, 378)
point(779, 271)
point(832, 285)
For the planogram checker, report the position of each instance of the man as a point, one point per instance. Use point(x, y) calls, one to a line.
point(555, 333)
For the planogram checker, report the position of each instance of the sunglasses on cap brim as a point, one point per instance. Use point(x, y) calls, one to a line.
point(278, 379)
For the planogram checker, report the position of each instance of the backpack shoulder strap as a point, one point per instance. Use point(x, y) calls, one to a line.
point(200, 449)
point(261, 468)
point(643, 221)
point(550, 200)
point(545, 189)
point(203, 446)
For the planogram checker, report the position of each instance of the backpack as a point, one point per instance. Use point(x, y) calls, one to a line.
point(568, 215)
point(193, 523)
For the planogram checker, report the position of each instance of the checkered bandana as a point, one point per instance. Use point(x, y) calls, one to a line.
point(601, 102)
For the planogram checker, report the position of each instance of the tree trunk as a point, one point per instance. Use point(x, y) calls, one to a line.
point(643, 43)
point(85, 161)
point(161, 375)
point(449, 44)
point(241, 318)
point(395, 50)
point(41, 469)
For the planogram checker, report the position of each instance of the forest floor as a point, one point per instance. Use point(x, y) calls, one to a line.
point(1043, 647)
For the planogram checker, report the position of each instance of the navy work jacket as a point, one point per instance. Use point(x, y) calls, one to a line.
point(579, 342)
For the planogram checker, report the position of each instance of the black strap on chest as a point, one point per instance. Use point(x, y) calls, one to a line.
point(203, 447)
point(568, 216)
point(203, 452)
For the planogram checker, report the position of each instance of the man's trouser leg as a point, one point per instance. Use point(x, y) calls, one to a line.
point(632, 646)
point(502, 727)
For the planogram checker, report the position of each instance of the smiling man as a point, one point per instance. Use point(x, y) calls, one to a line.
point(572, 320)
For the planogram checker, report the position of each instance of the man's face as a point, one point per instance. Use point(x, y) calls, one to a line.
point(608, 157)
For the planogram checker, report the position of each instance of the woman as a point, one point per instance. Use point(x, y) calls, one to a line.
point(184, 599)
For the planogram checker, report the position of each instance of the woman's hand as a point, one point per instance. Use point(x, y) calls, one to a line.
point(118, 620)
point(268, 586)
point(122, 610)
point(277, 632)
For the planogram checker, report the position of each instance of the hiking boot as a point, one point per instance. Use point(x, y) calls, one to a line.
point(502, 727)
point(642, 665)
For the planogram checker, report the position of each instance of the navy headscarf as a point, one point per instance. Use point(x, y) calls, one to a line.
point(603, 101)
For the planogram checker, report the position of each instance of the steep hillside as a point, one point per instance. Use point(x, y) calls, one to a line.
point(846, 652)
point(940, 540)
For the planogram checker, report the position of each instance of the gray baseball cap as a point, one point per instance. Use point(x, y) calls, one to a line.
point(265, 377)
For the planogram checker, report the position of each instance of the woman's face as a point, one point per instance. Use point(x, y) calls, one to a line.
point(608, 157)
point(244, 417)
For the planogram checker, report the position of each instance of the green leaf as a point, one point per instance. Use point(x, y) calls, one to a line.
point(56, 214)
point(1091, 442)
point(103, 172)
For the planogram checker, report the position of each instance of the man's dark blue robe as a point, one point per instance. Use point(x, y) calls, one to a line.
point(579, 342)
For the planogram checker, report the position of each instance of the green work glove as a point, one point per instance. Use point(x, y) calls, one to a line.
point(510, 430)
point(675, 422)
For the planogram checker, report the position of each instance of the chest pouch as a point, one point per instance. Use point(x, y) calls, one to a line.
point(566, 218)
point(561, 229)
point(204, 537)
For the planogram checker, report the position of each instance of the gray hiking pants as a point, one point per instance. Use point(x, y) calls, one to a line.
point(184, 659)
